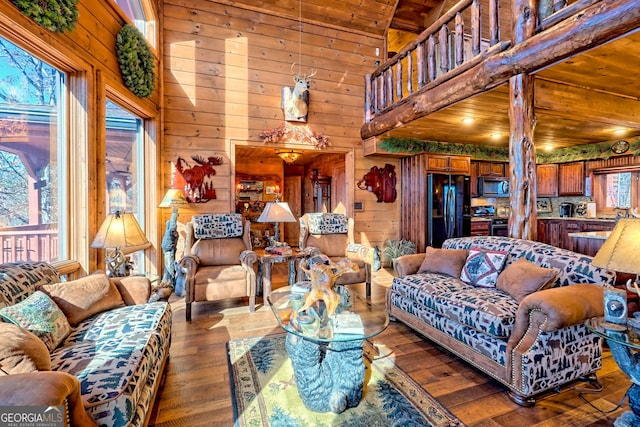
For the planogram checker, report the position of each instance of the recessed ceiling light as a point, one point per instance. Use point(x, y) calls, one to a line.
point(620, 131)
point(547, 147)
point(468, 120)
point(496, 135)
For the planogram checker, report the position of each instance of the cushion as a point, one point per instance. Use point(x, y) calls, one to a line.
point(523, 277)
point(217, 226)
point(40, 315)
point(21, 351)
point(82, 298)
point(446, 261)
point(482, 267)
point(327, 223)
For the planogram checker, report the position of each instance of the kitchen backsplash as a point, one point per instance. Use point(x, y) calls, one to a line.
point(555, 203)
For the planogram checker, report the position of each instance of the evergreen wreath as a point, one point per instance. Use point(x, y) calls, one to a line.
point(54, 15)
point(136, 61)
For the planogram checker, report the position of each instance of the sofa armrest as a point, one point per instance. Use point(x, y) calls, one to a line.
point(46, 388)
point(133, 289)
point(408, 264)
point(553, 309)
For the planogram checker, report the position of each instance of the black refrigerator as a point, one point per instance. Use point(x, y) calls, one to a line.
point(448, 207)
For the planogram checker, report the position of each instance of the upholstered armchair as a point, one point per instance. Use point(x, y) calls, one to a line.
point(218, 261)
point(332, 234)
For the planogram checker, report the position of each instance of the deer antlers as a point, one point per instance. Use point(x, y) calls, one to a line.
point(305, 77)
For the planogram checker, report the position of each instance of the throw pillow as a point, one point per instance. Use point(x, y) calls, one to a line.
point(21, 351)
point(40, 315)
point(523, 277)
point(482, 267)
point(446, 261)
point(82, 298)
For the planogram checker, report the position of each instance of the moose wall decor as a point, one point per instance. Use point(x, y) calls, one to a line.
point(295, 101)
point(381, 182)
point(197, 179)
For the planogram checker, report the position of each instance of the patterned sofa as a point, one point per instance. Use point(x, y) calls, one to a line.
point(104, 351)
point(529, 346)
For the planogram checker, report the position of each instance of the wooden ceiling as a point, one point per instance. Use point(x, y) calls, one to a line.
point(581, 100)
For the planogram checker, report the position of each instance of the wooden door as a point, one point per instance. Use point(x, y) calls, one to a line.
point(292, 194)
point(437, 163)
point(547, 178)
point(474, 179)
point(490, 169)
point(460, 164)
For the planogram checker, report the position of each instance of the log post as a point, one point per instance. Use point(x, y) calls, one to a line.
point(523, 216)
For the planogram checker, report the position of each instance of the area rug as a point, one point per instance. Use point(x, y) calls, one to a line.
point(264, 391)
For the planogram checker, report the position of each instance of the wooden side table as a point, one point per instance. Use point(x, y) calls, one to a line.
point(265, 266)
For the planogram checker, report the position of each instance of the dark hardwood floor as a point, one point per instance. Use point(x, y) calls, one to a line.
point(196, 390)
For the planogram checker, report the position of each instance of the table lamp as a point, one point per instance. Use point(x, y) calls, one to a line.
point(119, 230)
point(277, 212)
point(174, 198)
point(619, 253)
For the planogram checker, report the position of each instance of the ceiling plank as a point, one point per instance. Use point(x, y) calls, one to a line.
point(571, 102)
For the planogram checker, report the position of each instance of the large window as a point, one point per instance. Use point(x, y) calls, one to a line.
point(125, 166)
point(32, 157)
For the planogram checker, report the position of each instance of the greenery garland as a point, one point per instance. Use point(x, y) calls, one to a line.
point(136, 60)
point(54, 15)
point(600, 150)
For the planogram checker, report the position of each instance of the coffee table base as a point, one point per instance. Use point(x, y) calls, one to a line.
point(329, 376)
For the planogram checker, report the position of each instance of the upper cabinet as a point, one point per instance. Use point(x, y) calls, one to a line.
point(547, 179)
point(571, 179)
point(482, 168)
point(449, 164)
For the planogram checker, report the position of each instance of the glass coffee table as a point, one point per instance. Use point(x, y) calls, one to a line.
point(624, 342)
point(328, 365)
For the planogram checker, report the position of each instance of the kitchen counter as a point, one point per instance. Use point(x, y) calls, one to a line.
point(599, 235)
point(579, 218)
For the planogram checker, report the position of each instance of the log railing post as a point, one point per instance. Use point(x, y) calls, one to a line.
point(523, 216)
point(367, 98)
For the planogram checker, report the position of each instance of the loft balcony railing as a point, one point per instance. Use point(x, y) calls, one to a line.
point(29, 243)
point(460, 39)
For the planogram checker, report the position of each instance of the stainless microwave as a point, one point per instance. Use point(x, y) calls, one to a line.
point(493, 186)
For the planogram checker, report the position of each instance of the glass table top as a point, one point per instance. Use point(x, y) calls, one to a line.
point(319, 328)
point(627, 335)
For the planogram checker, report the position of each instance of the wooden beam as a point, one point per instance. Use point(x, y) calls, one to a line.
point(570, 101)
point(596, 25)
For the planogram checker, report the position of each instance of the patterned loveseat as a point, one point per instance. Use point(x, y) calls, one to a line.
point(529, 346)
point(100, 350)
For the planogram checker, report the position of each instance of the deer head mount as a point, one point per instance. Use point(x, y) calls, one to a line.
point(295, 101)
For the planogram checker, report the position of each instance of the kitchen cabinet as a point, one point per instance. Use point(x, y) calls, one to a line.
point(555, 232)
point(547, 180)
point(482, 168)
point(449, 164)
point(490, 169)
point(571, 179)
point(480, 228)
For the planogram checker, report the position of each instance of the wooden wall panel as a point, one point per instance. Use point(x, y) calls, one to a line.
point(224, 68)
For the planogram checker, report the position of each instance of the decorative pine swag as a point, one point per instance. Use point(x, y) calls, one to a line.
point(600, 150)
point(136, 61)
point(54, 15)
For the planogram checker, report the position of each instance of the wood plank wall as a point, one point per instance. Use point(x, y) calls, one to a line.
point(224, 68)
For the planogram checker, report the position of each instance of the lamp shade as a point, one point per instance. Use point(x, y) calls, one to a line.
point(119, 230)
point(173, 197)
point(620, 251)
point(277, 212)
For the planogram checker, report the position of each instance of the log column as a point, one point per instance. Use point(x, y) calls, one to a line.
point(522, 151)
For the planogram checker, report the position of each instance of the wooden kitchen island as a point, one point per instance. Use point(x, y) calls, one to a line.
point(587, 242)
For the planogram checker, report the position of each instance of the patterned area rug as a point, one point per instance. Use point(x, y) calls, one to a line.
point(265, 393)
